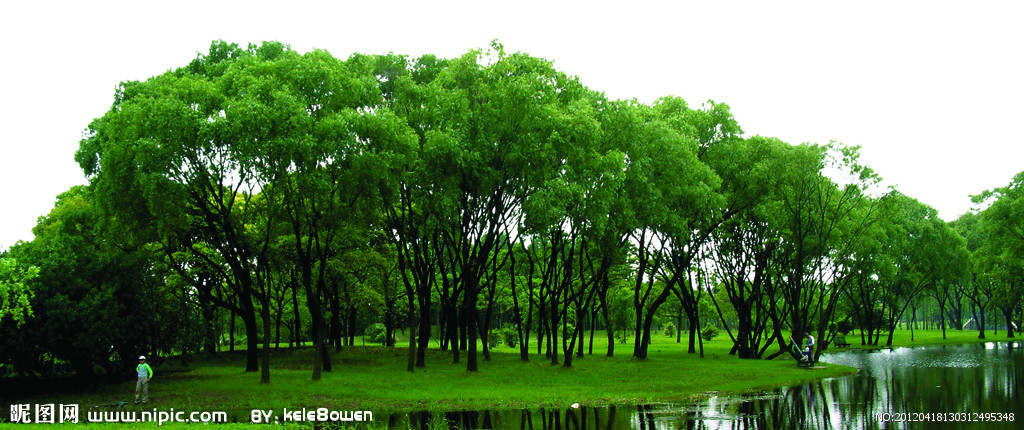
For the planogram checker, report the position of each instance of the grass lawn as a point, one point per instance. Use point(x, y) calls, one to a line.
point(901, 337)
point(374, 378)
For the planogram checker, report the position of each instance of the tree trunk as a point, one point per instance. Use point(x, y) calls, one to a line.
point(423, 334)
point(469, 311)
point(252, 335)
point(265, 356)
point(609, 329)
point(231, 331)
point(297, 333)
point(1008, 313)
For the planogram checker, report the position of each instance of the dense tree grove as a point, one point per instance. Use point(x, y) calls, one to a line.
point(300, 198)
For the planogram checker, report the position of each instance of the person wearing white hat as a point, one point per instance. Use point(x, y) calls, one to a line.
point(142, 386)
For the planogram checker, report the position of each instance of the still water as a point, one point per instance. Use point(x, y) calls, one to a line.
point(940, 387)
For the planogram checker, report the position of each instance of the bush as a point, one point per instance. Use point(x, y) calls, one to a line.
point(492, 339)
point(709, 332)
point(844, 327)
point(375, 333)
point(670, 330)
point(511, 337)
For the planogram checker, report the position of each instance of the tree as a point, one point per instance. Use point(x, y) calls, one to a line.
point(221, 152)
point(921, 249)
point(675, 207)
point(745, 246)
point(824, 221)
point(1003, 247)
point(948, 289)
point(179, 155)
point(978, 289)
point(98, 300)
point(408, 210)
point(496, 144)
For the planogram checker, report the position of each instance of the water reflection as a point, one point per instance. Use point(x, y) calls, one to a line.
point(964, 379)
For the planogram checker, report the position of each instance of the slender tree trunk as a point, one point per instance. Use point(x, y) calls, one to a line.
point(469, 311)
point(553, 332)
point(463, 326)
point(454, 327)
point(335, 336)
point(423, 334)
point(978, 322)
point(609, 329)
point(679, 324)
point(694, 333)
point(277, 332)
point(351, 326)
point(593, 326)
point(579, 330)
point(413, 325)
point(251, 333)
point(297, 333)
point(265, 365)
point(1008, 313)
point(524, 349)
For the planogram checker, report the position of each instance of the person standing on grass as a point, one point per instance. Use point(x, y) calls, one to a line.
point(142, 386)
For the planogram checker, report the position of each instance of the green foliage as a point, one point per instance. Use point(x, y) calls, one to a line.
point(999, 256)
point(97, 295)
point(493, 339)
point(256, 174)
point(844, 327)
point(375, 333)
point(15, 291)
point(709, 332)
point(569, 329)
point(510, 336)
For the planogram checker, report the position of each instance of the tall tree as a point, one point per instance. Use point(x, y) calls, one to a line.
point(1003, 247)
point(825, 221)
point(97, 295)
point(497, 143)
point(176, 148)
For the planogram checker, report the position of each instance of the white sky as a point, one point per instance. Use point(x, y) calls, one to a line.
point(933, 91)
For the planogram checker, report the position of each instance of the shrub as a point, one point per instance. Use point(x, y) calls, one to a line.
point(375, 333)
point(844, 327)
point(670, 330)
point(492, 339)
point(709, 332)
point(511, 337)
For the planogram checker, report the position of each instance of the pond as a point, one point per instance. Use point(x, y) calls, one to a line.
point(939, 387)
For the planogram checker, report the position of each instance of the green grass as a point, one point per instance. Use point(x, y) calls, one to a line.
point(901, 337)
point(374, 379)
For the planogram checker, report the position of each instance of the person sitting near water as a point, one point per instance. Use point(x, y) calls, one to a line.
point(809, 345)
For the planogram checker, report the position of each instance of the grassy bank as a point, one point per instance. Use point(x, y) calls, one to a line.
point(902, 337)
point(373, 378)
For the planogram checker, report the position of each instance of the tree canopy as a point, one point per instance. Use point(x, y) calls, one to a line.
point(465, 200)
